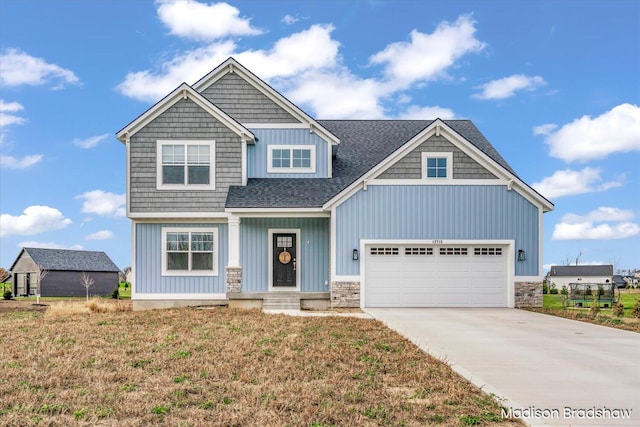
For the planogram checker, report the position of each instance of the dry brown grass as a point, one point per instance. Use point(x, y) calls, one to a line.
point(602, 318)
point(94, 305)
point(189, 367)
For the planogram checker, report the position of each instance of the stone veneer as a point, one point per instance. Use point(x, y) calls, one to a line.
point(528, 294)
point(345, 294)
point(234, 279)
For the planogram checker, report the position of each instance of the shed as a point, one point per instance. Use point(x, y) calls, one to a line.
point(562, 275)
point(62, 270)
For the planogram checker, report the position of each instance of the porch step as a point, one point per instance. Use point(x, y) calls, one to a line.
point(281, 302)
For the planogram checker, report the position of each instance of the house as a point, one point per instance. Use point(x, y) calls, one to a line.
point(562, 275)
point(58, 272)
point(238, 197)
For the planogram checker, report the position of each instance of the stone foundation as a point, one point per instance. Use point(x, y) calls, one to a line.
point(528, 294)
point(234, 279)
point(345, 294)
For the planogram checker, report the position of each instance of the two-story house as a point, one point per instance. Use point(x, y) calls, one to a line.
point(238, 197)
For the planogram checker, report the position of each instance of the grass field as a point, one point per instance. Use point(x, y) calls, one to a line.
point(193, 367)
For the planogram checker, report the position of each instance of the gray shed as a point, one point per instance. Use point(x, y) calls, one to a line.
point(64, 269)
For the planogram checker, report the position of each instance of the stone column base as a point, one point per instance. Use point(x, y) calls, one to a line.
point(234, 279)
point(528, 294)
point(345, 294)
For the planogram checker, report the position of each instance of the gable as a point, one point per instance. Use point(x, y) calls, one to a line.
point(410, 166)
point(244, 102)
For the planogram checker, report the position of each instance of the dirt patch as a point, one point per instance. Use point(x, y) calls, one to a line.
point(18, 305)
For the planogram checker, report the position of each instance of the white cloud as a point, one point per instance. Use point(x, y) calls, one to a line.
point(614, 224)
point(428, 56)
point(545, 129)
point(289, 19)
point(571, 182)
point(19, 68)
point(47, 245)
point(422, 113)
point(34, 219)
point(103, 203)
point(200, 21)
point(91, 141)
point(100, 235)
point(7, 117)
point(10, 162)
point(587, 138)
point(507, 86)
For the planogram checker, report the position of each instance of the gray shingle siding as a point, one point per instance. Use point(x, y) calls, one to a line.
point(187, 121)
point(245, 103)
point(410, 166)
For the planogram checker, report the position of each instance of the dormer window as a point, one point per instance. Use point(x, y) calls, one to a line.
point(437, 166)
point(291, 159)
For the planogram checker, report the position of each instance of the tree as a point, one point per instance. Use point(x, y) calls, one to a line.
point(3, 275)
point(87, 282)
point(42, 274)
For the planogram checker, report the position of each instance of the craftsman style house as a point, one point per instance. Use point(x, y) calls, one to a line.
point(238, 197)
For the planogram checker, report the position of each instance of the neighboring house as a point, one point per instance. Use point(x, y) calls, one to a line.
point(63, 270)
point(619, 281)
point(562, 275)
point(237, 197)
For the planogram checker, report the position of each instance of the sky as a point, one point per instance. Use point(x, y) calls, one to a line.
point(554, 85)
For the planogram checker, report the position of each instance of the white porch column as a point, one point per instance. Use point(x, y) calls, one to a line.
point(234, 241)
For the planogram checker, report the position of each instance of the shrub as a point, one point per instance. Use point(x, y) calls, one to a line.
point(545, 288)
point(617, 309)
point(115, 294)
point(564, 290)
point(635, 312)
point(7, 295)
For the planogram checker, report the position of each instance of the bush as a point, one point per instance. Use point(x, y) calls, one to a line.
point(617, 309)
point(545, 288)
point(7, 295)
point(635, 312)
point(564, 290)
point(115, 294)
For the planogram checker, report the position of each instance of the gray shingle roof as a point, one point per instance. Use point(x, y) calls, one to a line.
point(581, 270)
point(70, 260)
point(363, 144)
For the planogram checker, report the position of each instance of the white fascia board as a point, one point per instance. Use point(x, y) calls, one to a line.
point(233, 66)
point(278, 213)
point(422, 182)
point(177, 216)
point(184, 91)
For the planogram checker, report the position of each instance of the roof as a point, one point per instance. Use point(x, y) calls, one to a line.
point(581, 270)
point(363, 145)
point(70, 260)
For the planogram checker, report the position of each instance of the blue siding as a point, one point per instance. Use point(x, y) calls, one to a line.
point(436, 212)
point(148, 255)
point(257, 153)
point(313, 249)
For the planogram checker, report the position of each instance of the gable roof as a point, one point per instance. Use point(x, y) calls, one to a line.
point(69, 260)
point(581, 270)
point(183, 91)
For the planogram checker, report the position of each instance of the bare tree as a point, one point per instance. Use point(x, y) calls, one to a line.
point(42, 273)
point(578, 257)
point(87, 282)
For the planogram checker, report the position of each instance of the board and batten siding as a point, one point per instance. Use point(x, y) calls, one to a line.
point(183, 121)
point(257, 154)
point(148, 271)
point(313, 250)
point(410, 166)
point(428, 212)
point(245, 103)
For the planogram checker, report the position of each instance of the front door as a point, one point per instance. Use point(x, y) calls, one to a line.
point(284, 260)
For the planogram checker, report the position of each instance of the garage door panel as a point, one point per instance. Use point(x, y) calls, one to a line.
point(430, 276)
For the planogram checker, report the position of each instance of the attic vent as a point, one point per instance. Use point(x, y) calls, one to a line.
point(453, 251)
point(487, 251)
point(384, 251)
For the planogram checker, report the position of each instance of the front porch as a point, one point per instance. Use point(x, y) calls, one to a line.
point(280, 300)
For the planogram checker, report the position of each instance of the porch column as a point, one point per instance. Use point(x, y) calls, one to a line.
point(234, 270)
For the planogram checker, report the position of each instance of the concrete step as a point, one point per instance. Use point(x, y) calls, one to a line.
point(281, 303)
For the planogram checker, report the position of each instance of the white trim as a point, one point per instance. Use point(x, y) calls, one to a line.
point(278, 212)
point(332, 245)
point(128, 177)
point(291, 168)
point(433, 181)
point(294, 125)
point(426, 155)
point(510, 258)
point(329, 161)
point(271, 232)
point(186, 143)
point(190, 273)
point(243, 160)
point(528, 278)
point(204, 216)
point(234, 241)
point(179, 297)
point(540, 242)
point(133, 258)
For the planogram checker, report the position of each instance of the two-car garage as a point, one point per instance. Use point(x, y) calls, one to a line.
point(442, 275)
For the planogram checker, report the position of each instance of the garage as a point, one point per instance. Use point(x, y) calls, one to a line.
point(415, 275)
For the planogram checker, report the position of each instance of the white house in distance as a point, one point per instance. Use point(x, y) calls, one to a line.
point(562, 275)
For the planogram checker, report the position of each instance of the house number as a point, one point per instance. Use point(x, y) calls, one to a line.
point(437, 242)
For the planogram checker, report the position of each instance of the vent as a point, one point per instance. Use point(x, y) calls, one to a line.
point(384, 251)
point(487, 251)
point(418, 251)
point(453, 251)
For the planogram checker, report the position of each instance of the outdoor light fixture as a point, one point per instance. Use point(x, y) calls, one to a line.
point(521, 255)
point(355, 255)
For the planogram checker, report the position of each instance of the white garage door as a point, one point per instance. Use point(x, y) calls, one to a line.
point(435, 276)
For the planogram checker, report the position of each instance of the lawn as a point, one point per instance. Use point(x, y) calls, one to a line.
point(191, 367)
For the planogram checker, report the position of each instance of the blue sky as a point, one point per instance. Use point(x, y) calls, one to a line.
point(554, 85)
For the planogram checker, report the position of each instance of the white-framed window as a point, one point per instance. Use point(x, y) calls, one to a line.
point(186, 164)
point(189, 251)
point(437, 165)
point(291, 159)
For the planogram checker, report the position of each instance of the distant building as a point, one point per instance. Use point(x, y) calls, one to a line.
point(562, 275)
point(63, 271)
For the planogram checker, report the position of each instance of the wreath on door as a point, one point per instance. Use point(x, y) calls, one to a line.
point(284, 257)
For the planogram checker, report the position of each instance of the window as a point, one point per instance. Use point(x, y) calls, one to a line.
point(384, 251)
point(437, 165)
point(453, 251)
point(487, 251)
point(291, 159)
point(418, 251)
point(189, 252)
point(186, 163)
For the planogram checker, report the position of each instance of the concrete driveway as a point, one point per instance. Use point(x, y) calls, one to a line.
point(548, 370)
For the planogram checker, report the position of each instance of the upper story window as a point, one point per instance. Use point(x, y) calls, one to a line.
point(189, 251)
point(291, 159)
point(186, 164)
point(437, 165)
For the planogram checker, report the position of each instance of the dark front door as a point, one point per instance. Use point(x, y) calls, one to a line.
point(284, 260)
